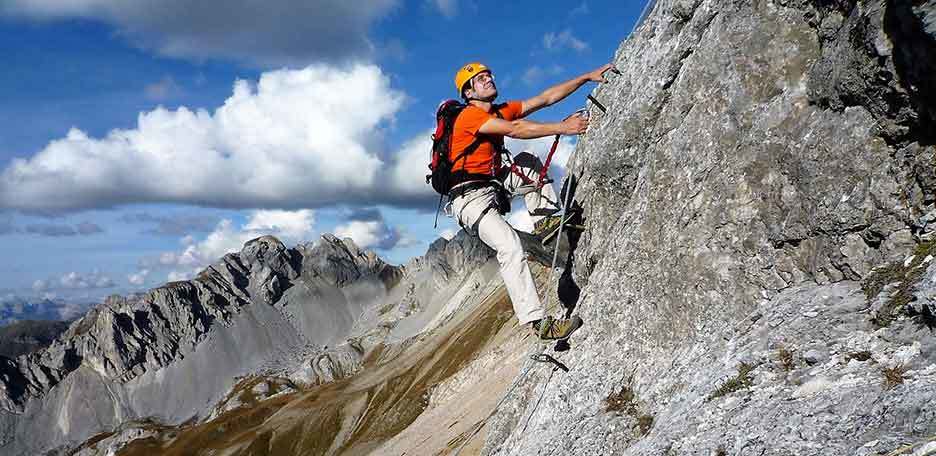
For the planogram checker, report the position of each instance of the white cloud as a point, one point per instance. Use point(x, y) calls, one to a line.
point(40, 285)
point(448, 234)
point(298, 138)
point(563, 40)
point(176, 275)
point(74, 281)
point(364, 233)
point(138, 278)
point(291, 227)
point(273, 32)
point(408, 173)
point(368, 228)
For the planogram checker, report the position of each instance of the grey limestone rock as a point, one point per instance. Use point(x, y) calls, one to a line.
point(755, 187)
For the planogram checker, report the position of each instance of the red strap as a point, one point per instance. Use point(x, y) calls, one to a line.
point(526, 180)
point(542, 174)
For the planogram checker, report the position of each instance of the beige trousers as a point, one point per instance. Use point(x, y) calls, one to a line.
point(500, 236)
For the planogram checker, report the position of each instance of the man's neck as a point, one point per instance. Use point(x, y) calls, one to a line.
point(485, 105)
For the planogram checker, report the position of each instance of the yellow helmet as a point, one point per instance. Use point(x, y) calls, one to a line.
point(467, 72)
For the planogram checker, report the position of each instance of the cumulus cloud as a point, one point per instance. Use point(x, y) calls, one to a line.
point(553, 41)
point(139, 277)
point(40, 285)
point(93, 280)
point(408, 173)
point(74, 281)
point(274, 32)
point(291, 227)
point(175, 276)
point(173, 225)
point(368, 229)
point(297, 138)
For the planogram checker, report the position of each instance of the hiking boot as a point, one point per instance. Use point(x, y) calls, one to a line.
point(547, 225)
point(550, 328)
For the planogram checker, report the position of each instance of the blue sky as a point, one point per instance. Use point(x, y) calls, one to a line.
point(131, 155)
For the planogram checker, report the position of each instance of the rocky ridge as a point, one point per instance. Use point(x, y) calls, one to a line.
point(267, 310)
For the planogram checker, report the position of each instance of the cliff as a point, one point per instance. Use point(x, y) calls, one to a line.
point(757, 273)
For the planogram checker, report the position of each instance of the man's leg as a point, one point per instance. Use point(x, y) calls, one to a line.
point(539, 203)
point(500, 236)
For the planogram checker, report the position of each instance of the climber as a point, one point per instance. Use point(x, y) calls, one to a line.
point(483, 182)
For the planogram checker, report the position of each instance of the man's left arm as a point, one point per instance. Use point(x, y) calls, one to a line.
point(558, 92)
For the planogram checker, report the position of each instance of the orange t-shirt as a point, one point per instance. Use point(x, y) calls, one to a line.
point(485, 159)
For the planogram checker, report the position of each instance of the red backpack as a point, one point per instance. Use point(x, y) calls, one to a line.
point(440, 164)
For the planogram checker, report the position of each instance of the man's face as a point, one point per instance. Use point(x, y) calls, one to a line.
point(483, 86)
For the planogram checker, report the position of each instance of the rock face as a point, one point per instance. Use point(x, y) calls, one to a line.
point(172, 353)
point(753, 197)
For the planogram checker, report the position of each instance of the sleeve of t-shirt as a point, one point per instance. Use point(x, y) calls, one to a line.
point(512, 110)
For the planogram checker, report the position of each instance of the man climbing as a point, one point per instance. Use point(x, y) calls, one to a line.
point(483, 185)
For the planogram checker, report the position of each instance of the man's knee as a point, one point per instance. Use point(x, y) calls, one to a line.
point(504, 241)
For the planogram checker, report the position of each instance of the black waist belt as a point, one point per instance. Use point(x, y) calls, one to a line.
point(468, 187)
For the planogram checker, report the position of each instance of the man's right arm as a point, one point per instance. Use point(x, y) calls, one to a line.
point(528, 129)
